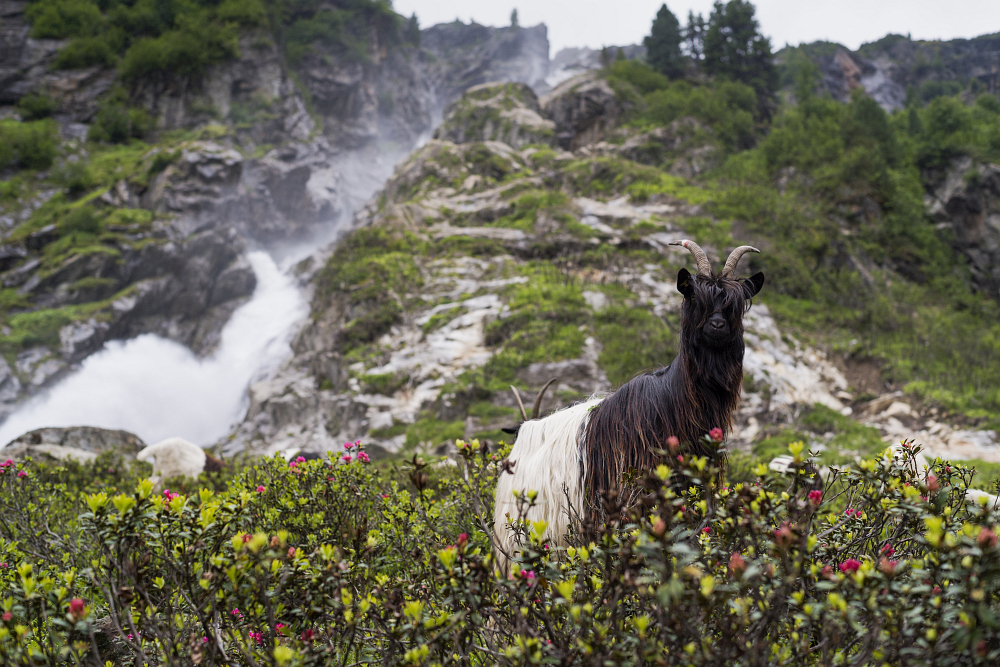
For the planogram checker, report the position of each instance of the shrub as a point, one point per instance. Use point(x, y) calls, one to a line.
point(334, 563)
point(81, 219)
point(58, 19)
point(89, 51)
point(35, 106)
point(185, 51)
point(28, 145)
point(116, 123)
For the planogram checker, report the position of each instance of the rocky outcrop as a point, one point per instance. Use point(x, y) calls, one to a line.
point(965, 201)
point(508, 113)
point(25, 66)
point(583, 109)
point(75, 443)
point(888, 68)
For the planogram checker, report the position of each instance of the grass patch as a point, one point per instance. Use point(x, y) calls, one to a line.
point(430, 432)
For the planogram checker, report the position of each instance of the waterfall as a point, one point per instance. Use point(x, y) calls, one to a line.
point(157, 388)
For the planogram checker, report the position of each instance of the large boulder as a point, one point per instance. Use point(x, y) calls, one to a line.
point(584, 109)
point(504, 112)
point(76, 443)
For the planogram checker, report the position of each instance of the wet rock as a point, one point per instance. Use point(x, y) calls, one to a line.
point(79, 443)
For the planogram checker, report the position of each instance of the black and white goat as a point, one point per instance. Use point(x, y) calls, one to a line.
point(581, 452)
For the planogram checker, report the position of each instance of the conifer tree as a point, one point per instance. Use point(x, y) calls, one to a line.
point(663, 45)
point(735, 49)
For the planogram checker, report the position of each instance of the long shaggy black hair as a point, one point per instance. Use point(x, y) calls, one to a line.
point(697, 392)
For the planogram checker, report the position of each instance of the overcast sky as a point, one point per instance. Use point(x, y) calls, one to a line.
point(597, 23)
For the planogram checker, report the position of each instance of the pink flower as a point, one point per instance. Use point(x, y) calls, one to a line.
point(716, 434)
point(76, 606)
point(292, 464)
point(850, 512)
point(528, 574)
point(347, 458)
point(348, 445)
point(6, 463)
point(887, 566)
point(7, 616)
point(300, 459)
point(932, 483)
point(363, 457)
point(235, 611)
point(681, 459)
point(204, 640)
point(816, 496)
point(357, 443)
point(673, 444)
point(3, 565)
point(307, 635)
point(850, 566)
point(463, 539)
point(260, 489)
point(21, 473)
point(706, 529)
point(888, 550)
point(385, 495)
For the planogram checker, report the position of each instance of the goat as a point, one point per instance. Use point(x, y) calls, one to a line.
point(176, 457)
point(574, 456)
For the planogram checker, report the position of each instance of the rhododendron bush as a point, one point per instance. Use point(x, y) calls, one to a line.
point(342, 563)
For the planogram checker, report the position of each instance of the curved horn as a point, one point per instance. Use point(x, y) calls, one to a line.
point(734, 258)
point(517, 395)
point(704, 267)
point(538, 399)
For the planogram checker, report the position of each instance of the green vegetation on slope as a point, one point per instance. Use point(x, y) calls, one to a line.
point(183, 37)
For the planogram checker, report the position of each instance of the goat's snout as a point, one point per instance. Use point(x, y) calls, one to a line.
point(716, 324)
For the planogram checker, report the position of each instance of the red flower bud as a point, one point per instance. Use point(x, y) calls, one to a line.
point(673, 445)
point(716, 434)
point(932, 483)
point(736, 565)
point(850, 566)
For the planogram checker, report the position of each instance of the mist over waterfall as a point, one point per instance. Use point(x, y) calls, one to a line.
point(157, 388)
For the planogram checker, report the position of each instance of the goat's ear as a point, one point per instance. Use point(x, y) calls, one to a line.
point(685, 283)
point(753, 284)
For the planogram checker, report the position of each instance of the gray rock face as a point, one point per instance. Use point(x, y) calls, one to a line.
point(583, 109)
point(25, 66)
point(77, 443)
point(967, 201)
point(470, 55)
point(886, 68)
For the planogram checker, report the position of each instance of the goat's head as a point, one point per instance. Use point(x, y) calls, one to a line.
point(535, 409)
point(714, 305)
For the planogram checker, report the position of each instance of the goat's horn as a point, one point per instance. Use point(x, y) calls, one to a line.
point(704, 267)
point(734, 258)
point(538, 399)
point(517, 395)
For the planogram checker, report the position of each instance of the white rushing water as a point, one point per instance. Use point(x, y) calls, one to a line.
point(157, 388)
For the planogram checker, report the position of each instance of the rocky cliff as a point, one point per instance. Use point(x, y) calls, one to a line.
point(894, 67)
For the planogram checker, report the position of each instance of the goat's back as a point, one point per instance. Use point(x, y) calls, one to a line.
point(546, 458)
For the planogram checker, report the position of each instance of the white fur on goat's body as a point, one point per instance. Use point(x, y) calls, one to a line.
point(174, 457)
point(547, 458)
